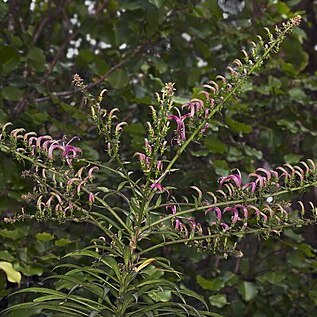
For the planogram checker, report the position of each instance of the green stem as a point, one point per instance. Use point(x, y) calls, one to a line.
point(225, 99)
point(27, 158)
point(224, 234)
point(227, 203)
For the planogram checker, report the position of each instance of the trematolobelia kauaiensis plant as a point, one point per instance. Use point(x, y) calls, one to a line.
point(121, 274)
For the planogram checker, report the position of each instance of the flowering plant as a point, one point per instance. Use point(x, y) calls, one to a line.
point(137, 215)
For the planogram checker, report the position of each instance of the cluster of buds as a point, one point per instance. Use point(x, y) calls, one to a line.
point(267, 180)
point(58, 188)
point(63, 204)
point(102, 118)
point(41, 145)
point(185, 226)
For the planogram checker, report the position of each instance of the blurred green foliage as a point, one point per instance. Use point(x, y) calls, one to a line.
point(131, 47)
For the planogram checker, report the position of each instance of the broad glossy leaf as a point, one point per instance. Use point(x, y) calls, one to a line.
point(13, 275)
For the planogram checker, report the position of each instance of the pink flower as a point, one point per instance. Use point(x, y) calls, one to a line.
point(172, 208)
point(194, 105)
point(251, 185)
point(236, 178)
point(216, 210)
point(158, 186)
point(144, 160)
point(91, 198)
point(235, 212)
point(68, 151)
point(91, 170)
point(180, 126)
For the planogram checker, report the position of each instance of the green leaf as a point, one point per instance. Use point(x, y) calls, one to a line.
point(62, 242)
point(7, 53)
point(297, 93)
point(221, 167)
point(36, 54)
point(290, 125)
point(5, 255)
point(163, 296)
point(180, 100)
point(214, 284)
point(9, 59)
point(253, 152)
point(275, 278)
point(11, 234)
point(30, 270)
point(44, 236)
point(295, 236)
point(12, 93)
point(218, 300)
point(248, 290)
point(292, 158)
point(13, 276)
point(119, 79)
point(238, 126)
point(214, 145)
point(37, 59)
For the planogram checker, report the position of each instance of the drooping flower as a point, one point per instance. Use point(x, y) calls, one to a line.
point(180, 126)
point(236, 178)
point(91, 198)
point(144, 160)
point(91, 171)
point(216, 210)
point(235, 212)
point(251, 185)
point(159, 186)
point(194, 106)
point(70, 151)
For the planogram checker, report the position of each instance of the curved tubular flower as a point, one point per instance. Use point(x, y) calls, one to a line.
point(54, 146)
point(217, 210)
point(91, 170)
point(291, 168)
point(244, 209)
point(79, 186)
point(53, 195)
point(194, 106)
point(306, 167)
point(172, 208)
point(251, 185)
point(256, 210)
point(180, 126)
point(260, 180)
point(236, 178)
point(313, 166)
point(91, 198)
point(31, 140)
point(235, 212)
point(285, 173)
point(71, 181)
point(70, 151)
point(46, 144)
point(120, 126)
point(274, 174)
point(158, 186)
point(266, 172)
point(41, 138)
point(27, 135)
point(224, 226)
point(159, 166)
point(15, 133)
point(269, 209)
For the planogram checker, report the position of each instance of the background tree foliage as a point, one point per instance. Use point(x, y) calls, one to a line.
point(131, 47)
